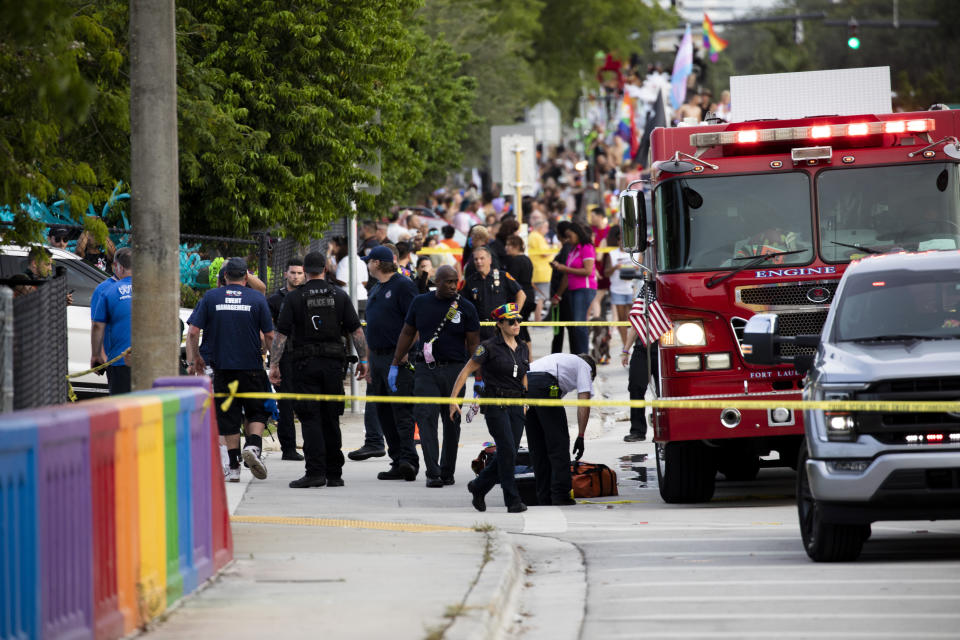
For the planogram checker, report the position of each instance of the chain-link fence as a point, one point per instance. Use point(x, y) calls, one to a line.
point(286, 248)
point(6, 349)
point(40, 344)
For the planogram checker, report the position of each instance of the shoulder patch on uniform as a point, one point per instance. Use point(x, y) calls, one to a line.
point(509, 277)
point(479, 351)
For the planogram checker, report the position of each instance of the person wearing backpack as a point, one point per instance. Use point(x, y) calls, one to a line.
point(548, 438)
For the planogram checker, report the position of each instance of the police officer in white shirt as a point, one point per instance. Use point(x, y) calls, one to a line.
point(555, 376)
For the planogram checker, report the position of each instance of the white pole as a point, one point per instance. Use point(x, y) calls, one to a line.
point(352, 290)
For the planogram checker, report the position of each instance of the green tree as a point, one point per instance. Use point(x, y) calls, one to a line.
point(42, 97)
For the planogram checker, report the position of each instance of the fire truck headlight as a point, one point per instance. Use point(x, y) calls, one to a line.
point(718, 361)
point(690, 334)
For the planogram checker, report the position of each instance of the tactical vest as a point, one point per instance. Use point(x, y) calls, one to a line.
point(321, 327)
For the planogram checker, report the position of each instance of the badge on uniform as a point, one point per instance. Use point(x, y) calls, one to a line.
point(388, 294)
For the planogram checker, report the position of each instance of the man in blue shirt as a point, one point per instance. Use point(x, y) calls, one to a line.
point(233, 317)
point(98, 293)
point(110, 332)
point(387, 306)
point(449, 330)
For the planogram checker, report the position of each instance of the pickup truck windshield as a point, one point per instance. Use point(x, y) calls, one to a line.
point(712, 223)
point(899, 305)
point(879, 209)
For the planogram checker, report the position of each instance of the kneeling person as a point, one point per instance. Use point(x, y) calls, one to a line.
point(555, 376)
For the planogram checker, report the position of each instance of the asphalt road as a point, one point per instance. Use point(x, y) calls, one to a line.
point(735, 567)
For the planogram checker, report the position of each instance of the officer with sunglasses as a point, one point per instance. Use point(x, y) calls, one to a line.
point(503, 361)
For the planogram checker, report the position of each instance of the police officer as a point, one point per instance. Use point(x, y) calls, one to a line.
point(286, 432)
point(232, 318)
point(387, 305)
point(555, 376)
point(449, 330)
point(489, 288)
point(503, 361)
point(639, 378)
point(312, 323)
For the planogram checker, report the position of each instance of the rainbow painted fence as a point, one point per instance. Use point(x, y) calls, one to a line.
point(110, 511)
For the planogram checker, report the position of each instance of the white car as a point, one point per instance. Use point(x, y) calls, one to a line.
point(82, 279)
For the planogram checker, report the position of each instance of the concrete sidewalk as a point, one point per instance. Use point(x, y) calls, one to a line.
point(366, 560)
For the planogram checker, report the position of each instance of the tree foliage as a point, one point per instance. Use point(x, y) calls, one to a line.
point(281, 104)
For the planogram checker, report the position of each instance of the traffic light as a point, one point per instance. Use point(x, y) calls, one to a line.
point(853, 37)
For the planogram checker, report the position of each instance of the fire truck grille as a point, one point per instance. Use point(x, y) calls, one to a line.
point(795, 324)
point(790, 295)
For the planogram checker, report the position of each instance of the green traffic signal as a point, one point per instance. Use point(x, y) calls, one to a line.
point(853, 42)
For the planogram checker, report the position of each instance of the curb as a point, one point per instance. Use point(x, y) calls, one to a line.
point(488, 608)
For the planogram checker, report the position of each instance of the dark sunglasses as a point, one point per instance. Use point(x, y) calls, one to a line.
point(511, 321)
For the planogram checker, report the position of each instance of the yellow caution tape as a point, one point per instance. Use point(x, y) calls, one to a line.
point(71, 393)
point(562, 323)
point(445, 250)
point(875, 406)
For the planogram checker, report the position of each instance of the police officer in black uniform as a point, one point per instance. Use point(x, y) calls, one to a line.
point(286, 432)
point(313, 320)
point(448, 326)
point(489, 288)
point(503, 361)
point(387, 307)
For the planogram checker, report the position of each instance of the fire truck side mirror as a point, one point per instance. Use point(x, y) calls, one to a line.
point(633, 221)
point(761, 343)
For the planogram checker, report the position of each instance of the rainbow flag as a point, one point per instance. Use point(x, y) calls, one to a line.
point(711, 41)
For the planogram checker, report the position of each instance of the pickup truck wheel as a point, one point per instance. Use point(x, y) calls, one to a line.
point(824, 541)
point(686, 471)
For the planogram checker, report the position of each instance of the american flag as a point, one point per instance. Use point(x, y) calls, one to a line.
point(649, 329)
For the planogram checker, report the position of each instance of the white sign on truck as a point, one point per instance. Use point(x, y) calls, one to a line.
point(833, 92)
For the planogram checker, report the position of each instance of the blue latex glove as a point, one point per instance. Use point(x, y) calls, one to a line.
point(478, 388)
point(392, 377)
point(271, 406)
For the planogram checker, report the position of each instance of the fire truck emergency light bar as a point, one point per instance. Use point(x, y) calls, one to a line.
point(815, 132)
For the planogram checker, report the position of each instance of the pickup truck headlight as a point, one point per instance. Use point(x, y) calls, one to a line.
point(841, 425)
point(690, 333)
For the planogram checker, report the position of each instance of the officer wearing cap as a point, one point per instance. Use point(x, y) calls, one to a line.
point(555, 376)
point(449, 330)
point(387, 305)
point(503, 361)
point(312, 322)
point(232, 318)
point(489, 288)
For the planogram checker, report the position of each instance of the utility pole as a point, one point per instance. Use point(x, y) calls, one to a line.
point(518, 152)
point(154, 181)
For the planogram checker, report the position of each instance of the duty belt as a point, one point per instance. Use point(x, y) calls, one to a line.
point(332, 350)
point(502, 393)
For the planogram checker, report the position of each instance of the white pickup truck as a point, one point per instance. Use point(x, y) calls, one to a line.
point(892, 334)
point(82, 279)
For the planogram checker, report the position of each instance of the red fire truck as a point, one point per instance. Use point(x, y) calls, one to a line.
point(764, 216)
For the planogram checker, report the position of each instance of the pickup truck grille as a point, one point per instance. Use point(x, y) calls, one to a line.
point(894, 427)
point(795, 324)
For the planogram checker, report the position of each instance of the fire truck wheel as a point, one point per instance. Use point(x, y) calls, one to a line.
point(686, 471)
point(824, 541)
